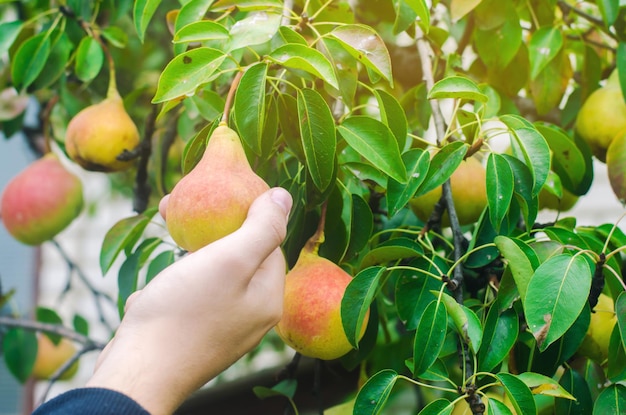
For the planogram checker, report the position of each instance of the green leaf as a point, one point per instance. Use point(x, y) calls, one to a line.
point(127, 280)
point(142, 14)
point(192, 11)
point(499, 188)
point(56, 63)
point(116, 36)
point(19, 347)
point(317, 129)
point(159, 263)
point(361, 226)
point(574, 384)
point(498, 48)
point(8, 33)
point(301, 57)
point(542, 385)
point(442, 165)
point(375, 392)
point(530, 147)
point(520, 395)
point(620, 312)
point(356, 302)
point(413, 292)
point(438, 407)
point(186, 72)
point(567, 159)
point(50, 316)
point(398, 194)
point(29, 60)
point(256, 28)
point(376, 143)
point(609, 10)
point(89, 59)
point(544, 46)
point(194, 149)
point(611, 400)
point(124, 233)
point(345, 67)
point(459, 8)
point(405, 17)
point(250, 106)
point(429, 336)
point(392, 115)
point(457, 87)
point(201, 31)
point(556, 295)
point(366, 45)
point(465, 321)
point(392, 250)
point(520, 258)
point(81, 325)
point(286, 388)
point(247, 5)
point(421, 9)
point(500, 333)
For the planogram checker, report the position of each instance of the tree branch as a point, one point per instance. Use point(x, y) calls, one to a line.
point(63, 331)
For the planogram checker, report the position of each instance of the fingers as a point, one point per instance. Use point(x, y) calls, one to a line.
point(263, 230)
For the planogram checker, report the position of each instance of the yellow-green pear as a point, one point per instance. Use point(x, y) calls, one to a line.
point(601, 118)
point(41, 201)
point(311, 323)
point(50, 358)
point(98, 134)
point(469, 193)
point(213, 199)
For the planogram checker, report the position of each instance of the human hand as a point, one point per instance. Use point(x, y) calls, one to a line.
point(201, 314)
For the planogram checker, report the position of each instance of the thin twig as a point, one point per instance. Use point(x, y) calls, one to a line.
point(142, 188)
point(98, 295)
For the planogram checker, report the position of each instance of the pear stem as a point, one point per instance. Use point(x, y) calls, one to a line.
point(231, 96)
point(314, 242)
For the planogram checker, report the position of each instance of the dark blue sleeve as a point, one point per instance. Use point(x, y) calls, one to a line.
point(92, 401)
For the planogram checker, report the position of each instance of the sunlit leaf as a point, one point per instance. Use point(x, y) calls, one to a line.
point(142, 14)
point(302, 57)
point(457, 87)
point(544, 46)
point(366, 45)
point(186, 72)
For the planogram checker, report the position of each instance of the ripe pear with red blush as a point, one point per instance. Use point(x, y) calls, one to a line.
point(213, 199)
point(311, 323)
point(100, 133)
point(41, 201)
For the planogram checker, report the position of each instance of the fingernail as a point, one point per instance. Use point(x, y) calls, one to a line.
point(282, 198)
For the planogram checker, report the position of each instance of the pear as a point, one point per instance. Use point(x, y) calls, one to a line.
point(213, 199)
point(98, 134)
point(41, 201)
point(50, 358)
point(311, 322)
point(469, 193)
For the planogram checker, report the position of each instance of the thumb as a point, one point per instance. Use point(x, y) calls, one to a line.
point(265, 226)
